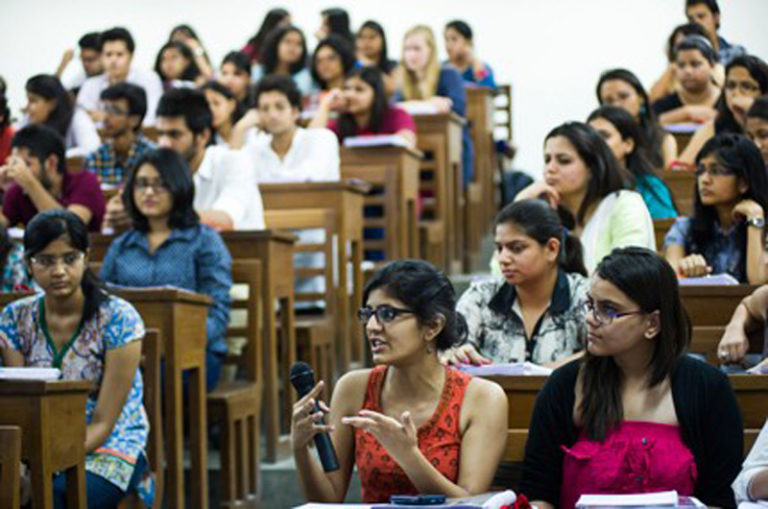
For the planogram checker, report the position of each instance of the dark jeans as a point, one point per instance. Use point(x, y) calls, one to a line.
point(100, 493)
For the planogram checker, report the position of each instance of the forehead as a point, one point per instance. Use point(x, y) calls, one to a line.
point(755, 123)
point(697, 10)
point(417, 39)
point(379, 297)
point(559, 144)
point(25, 154)
point(292, 37)
point(740, 73)
point(172, 124)
point(147, 170)
point(509, 232)
point(272, 97)
point(603, 125)
point(60, 245)
point(230, 68)
point(114, 46)
point(326, 51)
point(690, 54)
point(601, 289)
point(610, 87)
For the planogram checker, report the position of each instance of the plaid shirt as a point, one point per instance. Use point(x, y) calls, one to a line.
point(110, 170)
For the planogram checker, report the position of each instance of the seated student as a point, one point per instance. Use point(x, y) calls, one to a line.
point(124, 106)
point(291, 153)
point(226, 111)
point(629, 147)
point(365, 109)
point(186, 35)
point(756, 126)
point(14, 273)
point(275, 18)
point(707, 14)
point(695, 100)
point(89, 335)
point(667, 83)
point(90, 60)
point(226, 193)
point(746, 79)
point(423, 81)
point(236, 76)
point(6, 130)
point(335, 21)
point(752, 482)
point(49, 104)
point(409, 424)
point(175, 64)
point(535, 311)
point(620, 87)
point(116, 46)
point(461, 54)
point(167, 245)
point(635, 414)
point(285, 53)
point(585, 183)
point(371, 50)
point(750, 315)
point(332, 60)
point(726, 233)
point(40, 181)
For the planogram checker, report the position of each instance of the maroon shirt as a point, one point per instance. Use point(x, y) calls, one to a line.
point(80, 188)
point(395, 120)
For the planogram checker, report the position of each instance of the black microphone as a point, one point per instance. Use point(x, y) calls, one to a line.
point(303, 380)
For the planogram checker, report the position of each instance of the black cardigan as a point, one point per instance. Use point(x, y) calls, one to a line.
point(707, 412)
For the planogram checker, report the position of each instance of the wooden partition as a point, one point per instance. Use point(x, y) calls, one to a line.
point(713, 305)
point(393, 174)
point(660, 229)
point(682, 185)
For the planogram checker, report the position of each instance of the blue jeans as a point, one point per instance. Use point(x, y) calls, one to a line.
point(100, 493)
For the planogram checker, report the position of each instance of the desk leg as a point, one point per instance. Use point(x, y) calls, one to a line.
point(198, 436)
point(42, 484)
point(288, 338)
point(271, 398)
point(174, 434)
point(76, 493)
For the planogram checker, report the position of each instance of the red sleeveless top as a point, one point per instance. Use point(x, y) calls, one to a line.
point(439, 440)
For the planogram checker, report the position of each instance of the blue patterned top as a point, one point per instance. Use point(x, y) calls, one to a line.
point(16, 277)
point(193, 258)
point(116, 324)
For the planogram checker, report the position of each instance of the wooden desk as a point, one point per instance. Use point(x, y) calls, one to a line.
point(480, 111)
point(52, 418)
point(393, 173)
point(713, 305)
point(682, 185)
point(751, 393)
point(345, 198)
point(660, 229)
point(439, 135)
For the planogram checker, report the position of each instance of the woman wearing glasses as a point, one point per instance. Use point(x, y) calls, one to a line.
point(168, 246)
point(727, 231)
point(635, 414)
point(410, 425)
point(746, 79)
point(534, 311)
point(89, 335)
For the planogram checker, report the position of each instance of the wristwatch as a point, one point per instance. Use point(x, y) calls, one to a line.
point(757, 222)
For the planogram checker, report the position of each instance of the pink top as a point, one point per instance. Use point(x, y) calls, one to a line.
point(636, 457)
point(395, 120)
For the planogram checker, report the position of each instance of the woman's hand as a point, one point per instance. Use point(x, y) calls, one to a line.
point(332, 100)
point(694, 266)
point(733, 345)
point(304, 425)
point(740, 106)
point(442, 104)
point(399, 437)
point(539, 190)
point(700, 114)
point(747, 209)
point(464, 354)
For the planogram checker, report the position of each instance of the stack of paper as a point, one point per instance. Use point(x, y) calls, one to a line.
point(659, 499)
point(30, 374)
point(376, 140)
point(509, 369)
point(712, 279)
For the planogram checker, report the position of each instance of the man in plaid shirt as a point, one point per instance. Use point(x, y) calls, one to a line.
point(124, 105)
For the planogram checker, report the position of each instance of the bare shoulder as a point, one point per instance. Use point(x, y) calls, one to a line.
point(350, 389)
point(485, 394)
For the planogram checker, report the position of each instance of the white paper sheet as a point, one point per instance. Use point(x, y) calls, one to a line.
point(662, 498)
point(509, 369)
point(29, 373)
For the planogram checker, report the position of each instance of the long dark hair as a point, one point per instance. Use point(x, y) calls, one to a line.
point(379, 107)
point(337, 20)
point(537, 220)
point(342, 48)
point(269, 52)
point(651, 283)
point(177, 178)
point(425, 290)
point(384, 64)
point(758, 71)
point(743, 158)
point(190, 73)
point(647, 118)
point(597, 156)
point(220, 89)
point(49, 87)
point(273, 18)
point(51, 225)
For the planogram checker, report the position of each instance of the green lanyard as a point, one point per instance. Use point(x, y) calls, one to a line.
point(58, 356)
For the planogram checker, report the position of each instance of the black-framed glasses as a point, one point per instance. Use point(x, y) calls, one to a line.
point(157, 186)
point(716, 170)
point(745, 86)
point(605, 315)
point(111, 109)
point(45, 261)
point(384, 313)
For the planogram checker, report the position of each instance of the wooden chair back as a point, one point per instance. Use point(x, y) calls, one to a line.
point(660, 229)
point(247, 273)
point(682, 185)
point(10, 460)
point(503, 111)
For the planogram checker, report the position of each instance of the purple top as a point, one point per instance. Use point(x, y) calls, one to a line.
point(81, 188)
point(395, 120)
point(636, 457)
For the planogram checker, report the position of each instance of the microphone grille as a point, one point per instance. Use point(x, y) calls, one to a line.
point(300, 368)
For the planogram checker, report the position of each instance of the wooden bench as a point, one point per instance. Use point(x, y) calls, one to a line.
point(713, 305)
point(682, 185)
point(10, 459)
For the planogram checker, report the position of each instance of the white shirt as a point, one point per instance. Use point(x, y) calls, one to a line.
point(756, 461)
point(225, 181)
point(82, 136)
point(313, 157)
point(90, 93)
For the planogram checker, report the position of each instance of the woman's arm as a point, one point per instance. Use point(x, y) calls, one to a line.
point(691, 113)
point(214, 277)
point(664, 85)
point(668, 149)
point(699, 138)
point(120, 368)
point(323, 113)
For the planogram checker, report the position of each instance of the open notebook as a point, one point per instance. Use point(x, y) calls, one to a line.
point(30, 373)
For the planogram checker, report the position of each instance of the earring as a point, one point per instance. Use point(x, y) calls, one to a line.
point(430, 349)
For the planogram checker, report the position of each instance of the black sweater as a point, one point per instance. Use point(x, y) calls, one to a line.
point(708, 416)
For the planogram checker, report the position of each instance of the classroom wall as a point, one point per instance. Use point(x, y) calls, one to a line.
point(551, 50)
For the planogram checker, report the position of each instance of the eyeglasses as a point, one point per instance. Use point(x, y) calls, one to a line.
point(384, 314)
point(112, 110)
point(157, 186)
point(713, 171)
point(44, 261)
point(604, 315)
point(745, 86)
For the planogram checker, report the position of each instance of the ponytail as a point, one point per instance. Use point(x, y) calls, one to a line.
point(571, 254)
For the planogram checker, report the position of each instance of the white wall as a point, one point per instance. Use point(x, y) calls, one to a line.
point(551, 50)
